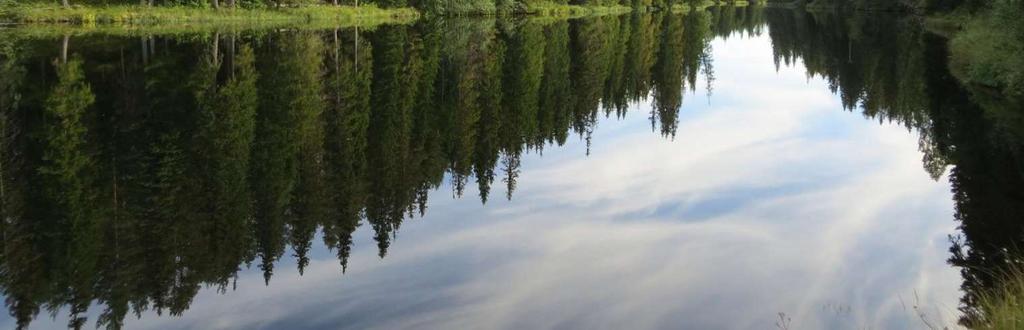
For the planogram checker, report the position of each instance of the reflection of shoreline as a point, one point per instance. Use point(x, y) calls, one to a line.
point(371, 18)
point(133, 16)
point(36, 20)
point(51, 31)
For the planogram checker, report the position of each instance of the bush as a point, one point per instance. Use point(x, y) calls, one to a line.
point(990, 49)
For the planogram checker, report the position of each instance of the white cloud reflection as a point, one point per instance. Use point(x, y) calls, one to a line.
point(768, 200)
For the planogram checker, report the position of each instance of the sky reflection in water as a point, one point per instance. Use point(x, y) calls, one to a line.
point(769, 199)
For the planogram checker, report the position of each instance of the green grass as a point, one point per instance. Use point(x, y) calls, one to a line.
point(52, 31)
point(1003, 308)
point(136, 18)
point(52, 21)
point(142, 15)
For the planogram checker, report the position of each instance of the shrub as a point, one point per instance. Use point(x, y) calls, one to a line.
point(990, 49)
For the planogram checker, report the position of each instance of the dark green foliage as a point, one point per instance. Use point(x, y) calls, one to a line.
point(223, 142)
point(862, 59)
point(873, 5)
point(903, 5)
point(668, 76)
point(347, 119)
point(989, 52)
point(288, 139)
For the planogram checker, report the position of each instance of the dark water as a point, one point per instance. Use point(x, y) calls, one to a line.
point(704, 171)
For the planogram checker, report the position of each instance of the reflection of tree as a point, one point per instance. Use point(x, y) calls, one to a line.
point(588, 72)
point(393, 96)
point(728, 20)
point(641, 53)
point(669, 76)
point(555, 100)
point(891, 70)
point(873, 63)
point(66, 175)
point(198, 155)
point(20, 268)
point(286, 128)
point(347, 120)
point(523, 72)
point(224, 137)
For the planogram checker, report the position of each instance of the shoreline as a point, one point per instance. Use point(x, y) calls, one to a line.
point(144, 24)
point(133, 16)
point(154, 15)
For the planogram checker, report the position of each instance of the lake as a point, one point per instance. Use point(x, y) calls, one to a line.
point(735, 168)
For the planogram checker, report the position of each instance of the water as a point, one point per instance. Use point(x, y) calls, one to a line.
point(740, 168)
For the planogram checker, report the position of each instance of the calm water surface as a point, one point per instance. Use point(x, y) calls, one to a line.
point(715, 170)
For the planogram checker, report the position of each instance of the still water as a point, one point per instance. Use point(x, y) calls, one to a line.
point(740, 168)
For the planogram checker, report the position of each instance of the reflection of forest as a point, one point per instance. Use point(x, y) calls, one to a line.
point(136, 172)
point(892, 70)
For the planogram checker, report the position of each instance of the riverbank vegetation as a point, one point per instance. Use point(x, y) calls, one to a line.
point(988, 49)
point(986, 36)
point(1003, 307)
point(202, 11)
point(139, 14)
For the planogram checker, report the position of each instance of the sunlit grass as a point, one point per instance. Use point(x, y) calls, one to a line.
point(52, 31)
point(1003, 307)
point(177, 17)
point(157, 15)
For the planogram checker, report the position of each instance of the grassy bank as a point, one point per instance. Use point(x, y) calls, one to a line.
point(141, 15)
point(1003, 307)
point(125, 15)
point(130, 21)
point(987, 48)
point(54, 31)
